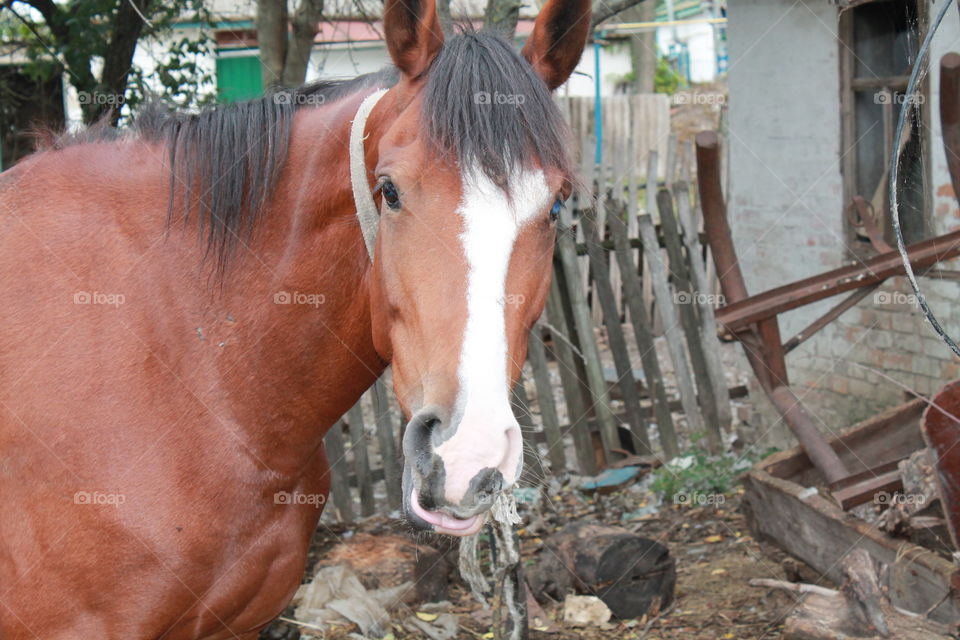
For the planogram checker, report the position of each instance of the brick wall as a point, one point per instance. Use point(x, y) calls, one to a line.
point(785, 206)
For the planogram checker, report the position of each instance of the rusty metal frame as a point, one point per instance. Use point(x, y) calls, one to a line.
point(753, 320)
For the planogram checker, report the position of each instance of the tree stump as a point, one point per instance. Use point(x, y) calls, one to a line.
point(633, 575)
point(389, 560)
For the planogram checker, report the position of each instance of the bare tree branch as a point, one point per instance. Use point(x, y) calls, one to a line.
point(603, 11)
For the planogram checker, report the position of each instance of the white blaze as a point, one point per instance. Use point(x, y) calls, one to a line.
point(487, 434)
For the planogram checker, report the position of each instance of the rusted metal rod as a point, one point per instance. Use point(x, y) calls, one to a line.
point(740, 315)
point(818, 450)
point(770, 365)
point(716, 226)
point(810, 330)
point(768, 361)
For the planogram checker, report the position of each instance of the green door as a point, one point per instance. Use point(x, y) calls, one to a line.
point(238, 78)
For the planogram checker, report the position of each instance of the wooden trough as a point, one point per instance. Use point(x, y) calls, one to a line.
point(784, 505)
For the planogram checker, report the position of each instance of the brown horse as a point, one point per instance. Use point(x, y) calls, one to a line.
point(158, 391)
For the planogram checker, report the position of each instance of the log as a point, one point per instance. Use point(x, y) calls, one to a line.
point(633, 575)
point(859, 609)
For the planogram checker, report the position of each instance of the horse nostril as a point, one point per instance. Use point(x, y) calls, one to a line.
point(486, 484)
point(418, 445)
point(421, 428)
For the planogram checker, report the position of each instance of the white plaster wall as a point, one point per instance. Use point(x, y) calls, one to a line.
point(785, 196)
point(700, 43)
point(785, 191)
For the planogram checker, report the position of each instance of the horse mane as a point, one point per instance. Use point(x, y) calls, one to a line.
point(225, 160)
point(486, 106)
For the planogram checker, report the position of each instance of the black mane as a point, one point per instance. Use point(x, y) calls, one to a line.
point(228, 158)
point(483, 105)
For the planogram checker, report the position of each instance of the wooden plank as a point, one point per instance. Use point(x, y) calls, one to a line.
point(671, 161)
point(578, 405)
point(704, 304)
point(818, 532)
point(651, 208)
point(888, 436)
point(645, 344)
point(361, 459)
point(600, 399)
point(671, 324)
point(387, 439)
point(536, 352)
point(615, 337)
point(689, 320)
point(339, 484)
point(707, 367)
point(867, 489)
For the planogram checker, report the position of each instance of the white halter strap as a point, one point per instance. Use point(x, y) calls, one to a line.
point(366, 207)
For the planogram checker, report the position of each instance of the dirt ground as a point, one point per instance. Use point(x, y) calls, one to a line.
point(715, 555)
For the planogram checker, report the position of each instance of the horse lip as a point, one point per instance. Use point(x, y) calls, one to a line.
point(442, 522)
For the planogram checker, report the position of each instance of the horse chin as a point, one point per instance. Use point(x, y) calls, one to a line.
point(435, 521)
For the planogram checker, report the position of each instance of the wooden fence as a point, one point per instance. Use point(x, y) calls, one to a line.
point(628, 259)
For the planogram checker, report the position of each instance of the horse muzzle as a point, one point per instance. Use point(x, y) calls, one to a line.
point(452, 476)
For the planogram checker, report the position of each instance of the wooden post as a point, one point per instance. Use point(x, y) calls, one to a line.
point(633, 291)
point(361, 459)
point(618, 344)
point(339, 474)
point(671, 325)
point(708, 321)
point(689, 320)
point(548, 411)
point(387, 440)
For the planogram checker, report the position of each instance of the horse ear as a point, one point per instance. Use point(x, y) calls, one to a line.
point(558, 38)
point(413, 34)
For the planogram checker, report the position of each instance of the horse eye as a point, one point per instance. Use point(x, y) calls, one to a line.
point(390, 194)
point(555, 210)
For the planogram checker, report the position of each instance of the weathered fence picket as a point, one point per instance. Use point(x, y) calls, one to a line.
point(685, 296)
point(584, 325)
point(339, 472)
point(361, 461)
point(537, 354)
point(645, 344)
point(386, 438)
point(618, 344)
point(704, 304)
point(671, 325)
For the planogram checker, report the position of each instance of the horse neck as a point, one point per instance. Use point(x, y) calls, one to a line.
point(324, 358)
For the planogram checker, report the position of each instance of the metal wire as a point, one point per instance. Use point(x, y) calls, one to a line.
point(907, 105)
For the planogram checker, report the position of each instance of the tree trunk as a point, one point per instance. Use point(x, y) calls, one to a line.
point(446, 20)
point(127, 27)
point(643, 48)
point(502, 16)
point(272, 39)
point(305, 24)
